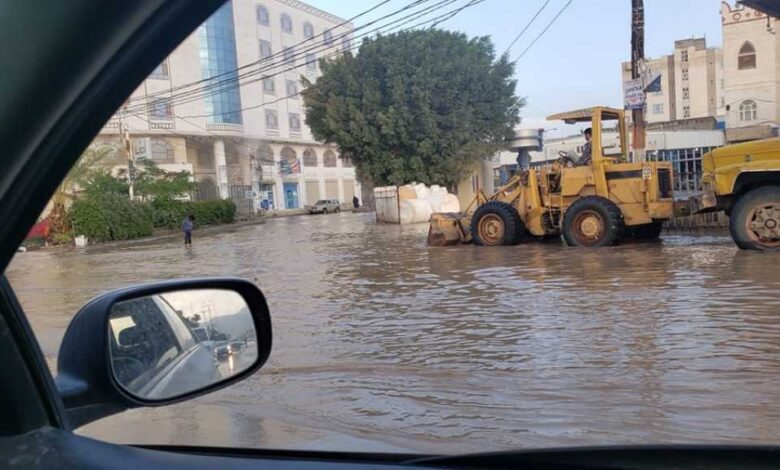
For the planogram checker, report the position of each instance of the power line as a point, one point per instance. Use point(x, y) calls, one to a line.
point(205, 92)
point(323, 33)
point(222, 85)
point(544, 30)
point(292, 95)
point(409, 18)
point(527, 25)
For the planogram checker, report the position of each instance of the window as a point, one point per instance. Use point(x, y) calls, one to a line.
point(311, 62)
point(309, 157)
point(308, 30)
point(686, 93)
point(748, 111)
point(292, 89)
point(286, 23)
point(217, 48)
point(289, 56)
point(295, 122)
point(685, 74)
point(658, 108)
point(262, 15)
point(268, 85)
point(265, 155)
point(161, 150)
point(346, 44)
point(327, 38)
point(271, 119)
point(161, 71)
point(686, 111)
point(746, 59)
point(161, 109)
point(265, 49)
point(329, 158)
point(346, 162)
point(684, 56)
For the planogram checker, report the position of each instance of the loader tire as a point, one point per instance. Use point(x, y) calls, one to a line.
point(649, 231)
point(496, 223)
point(593, 221)
point(754, 222)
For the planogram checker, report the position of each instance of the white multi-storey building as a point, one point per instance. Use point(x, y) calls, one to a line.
point(248, 141)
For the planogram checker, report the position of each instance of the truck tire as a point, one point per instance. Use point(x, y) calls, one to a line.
point(755, 220)
point(496, 223)
point(593, 221)
point(649, 231)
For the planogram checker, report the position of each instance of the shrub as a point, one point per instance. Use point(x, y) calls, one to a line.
point(170, 213)
point(212, 212)
point(110, 217)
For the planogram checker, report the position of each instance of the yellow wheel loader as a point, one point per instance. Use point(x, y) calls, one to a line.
point(594, 204)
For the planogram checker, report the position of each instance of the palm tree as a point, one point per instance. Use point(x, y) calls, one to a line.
point(85, 165)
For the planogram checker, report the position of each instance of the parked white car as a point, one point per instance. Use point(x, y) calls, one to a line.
point(323, 206)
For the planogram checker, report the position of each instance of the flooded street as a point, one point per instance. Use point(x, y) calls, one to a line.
point(381, 343)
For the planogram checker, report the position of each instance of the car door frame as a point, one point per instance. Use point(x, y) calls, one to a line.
point(108, 60)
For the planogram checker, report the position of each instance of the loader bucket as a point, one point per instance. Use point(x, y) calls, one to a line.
point(446, 229)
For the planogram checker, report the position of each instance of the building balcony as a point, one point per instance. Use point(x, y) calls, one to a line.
point(225, 127)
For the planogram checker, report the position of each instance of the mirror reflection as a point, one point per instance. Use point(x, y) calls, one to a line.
point(170, 344)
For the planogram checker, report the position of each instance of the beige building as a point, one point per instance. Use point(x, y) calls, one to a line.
point(247, 142)
point(691, 83)
point(751, 72)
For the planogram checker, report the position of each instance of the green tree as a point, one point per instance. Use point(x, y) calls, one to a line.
point(88, 163)
point(152, 183)
point(419, 106)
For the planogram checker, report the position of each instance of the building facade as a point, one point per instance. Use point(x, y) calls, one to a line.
point(691, 85)
point(751, 72)
point(225, 105)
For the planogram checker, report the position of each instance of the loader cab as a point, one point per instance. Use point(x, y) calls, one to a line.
point(608, 130)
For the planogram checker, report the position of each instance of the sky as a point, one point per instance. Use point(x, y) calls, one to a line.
point(576, 63)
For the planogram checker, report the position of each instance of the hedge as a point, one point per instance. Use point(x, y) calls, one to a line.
point(110, 217)
point(114, 217)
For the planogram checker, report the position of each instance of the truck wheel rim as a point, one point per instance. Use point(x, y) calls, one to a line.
point(763, 224)
point(491, 229)
point(589, 227)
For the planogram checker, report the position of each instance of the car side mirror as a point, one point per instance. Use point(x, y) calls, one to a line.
point(161, 343)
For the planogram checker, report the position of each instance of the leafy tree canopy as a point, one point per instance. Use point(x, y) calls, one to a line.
point(419, 106)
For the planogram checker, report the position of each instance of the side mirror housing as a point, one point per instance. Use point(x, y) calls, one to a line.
point(161, 343)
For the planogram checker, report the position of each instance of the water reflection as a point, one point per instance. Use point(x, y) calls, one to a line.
point(461, 348)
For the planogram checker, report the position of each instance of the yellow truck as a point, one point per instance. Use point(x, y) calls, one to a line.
point(744, 181)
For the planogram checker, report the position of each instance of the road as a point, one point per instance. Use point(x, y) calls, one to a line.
point(381, 343)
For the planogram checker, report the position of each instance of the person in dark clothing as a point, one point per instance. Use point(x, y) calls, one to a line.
point(587, 151)
point(186, 226)
point(355, 202)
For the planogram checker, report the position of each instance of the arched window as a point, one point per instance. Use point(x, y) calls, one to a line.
point(748, 111)
point(262, 15)
point(746, 59)
point(308, 30)
point(346, 44)
point(286, 23)
point(265, 156)
point(327, 38)
point(289, 161)
point(162, 151)
point(329, 158)
point(309, 157)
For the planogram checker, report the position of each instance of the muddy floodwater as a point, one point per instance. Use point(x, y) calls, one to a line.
point(382, 344)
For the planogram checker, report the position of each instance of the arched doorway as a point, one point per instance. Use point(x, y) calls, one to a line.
point(207, 190)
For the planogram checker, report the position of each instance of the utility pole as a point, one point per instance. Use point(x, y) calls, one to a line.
point(124, 137)
point(637, 60)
